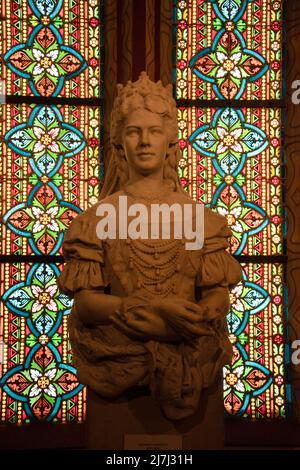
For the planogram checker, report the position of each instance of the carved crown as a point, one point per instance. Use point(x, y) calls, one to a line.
point(144, 86)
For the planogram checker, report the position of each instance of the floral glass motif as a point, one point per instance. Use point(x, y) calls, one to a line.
point(44, 220)
point(51, 169)
point(46, 138)
point(228, 49)
point(231, 161)
point(52, 48)
point(254, 383)
point(45, 61)
point(37, 381)
point(46, 150)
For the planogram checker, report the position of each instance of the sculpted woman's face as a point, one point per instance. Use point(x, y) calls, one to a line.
point(145, 142)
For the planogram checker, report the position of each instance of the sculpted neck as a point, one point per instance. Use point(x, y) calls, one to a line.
point(146, 184)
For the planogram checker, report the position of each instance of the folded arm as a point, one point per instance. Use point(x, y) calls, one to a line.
point(159, 321)
point(96, 308)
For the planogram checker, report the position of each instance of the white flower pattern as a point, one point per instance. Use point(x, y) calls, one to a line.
point(235, 294)
point(46, 139)
point(42, 383)
point(232, 216)
point(232, 378)
point(44, 298)
point(229, 65)
point(229, 140)
point(45, 219)
point(45, 62)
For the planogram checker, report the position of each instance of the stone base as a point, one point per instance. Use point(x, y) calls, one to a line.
point(109, 422)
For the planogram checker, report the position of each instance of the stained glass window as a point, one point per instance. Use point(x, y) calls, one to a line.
point(51, 147)
point(228, 77)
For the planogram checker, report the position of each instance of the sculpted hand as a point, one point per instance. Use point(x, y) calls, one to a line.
point(150, 323)
point(164, 319)
point(185, 317)
point(137, 320)
point(121, 325)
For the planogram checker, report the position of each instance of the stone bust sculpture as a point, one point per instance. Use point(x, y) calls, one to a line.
point(137, 319)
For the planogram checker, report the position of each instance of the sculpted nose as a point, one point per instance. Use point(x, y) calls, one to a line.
point(145, 137)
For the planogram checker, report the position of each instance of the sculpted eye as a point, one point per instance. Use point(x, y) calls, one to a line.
point(157, 130)
point(132, 131)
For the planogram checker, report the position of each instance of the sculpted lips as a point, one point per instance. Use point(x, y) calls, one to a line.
point(145, 154)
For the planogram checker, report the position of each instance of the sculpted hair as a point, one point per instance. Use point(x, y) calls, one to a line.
point(142, 94)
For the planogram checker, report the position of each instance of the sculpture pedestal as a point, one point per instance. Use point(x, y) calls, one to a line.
point(110, 423)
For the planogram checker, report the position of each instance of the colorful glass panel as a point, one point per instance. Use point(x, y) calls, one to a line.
point(232, 162)
point(254, 384)
point(51, 48)
point(51, 169)
point(228, 49)
point(38, 382)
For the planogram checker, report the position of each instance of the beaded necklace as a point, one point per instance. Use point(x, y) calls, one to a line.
point(155, 261)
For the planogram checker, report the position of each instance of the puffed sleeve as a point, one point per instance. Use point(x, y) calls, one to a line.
point(83, 253)
point(217, 267)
